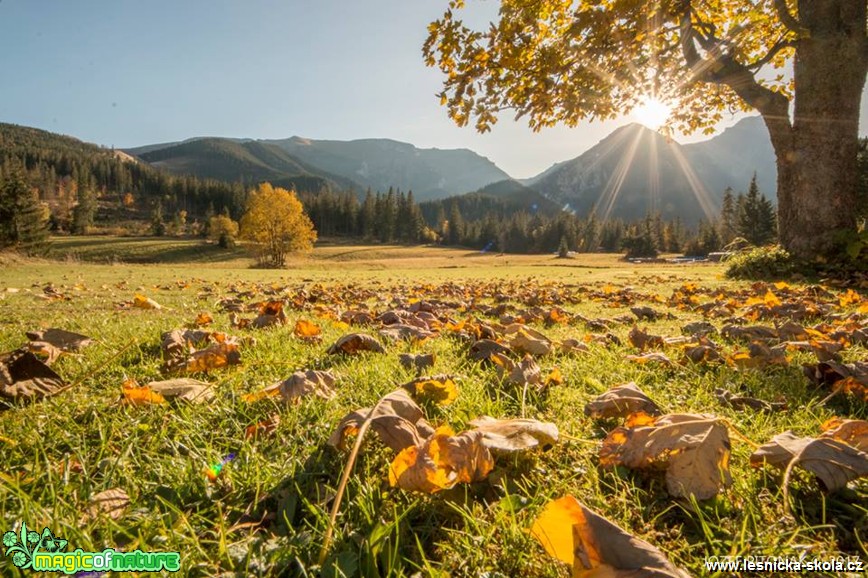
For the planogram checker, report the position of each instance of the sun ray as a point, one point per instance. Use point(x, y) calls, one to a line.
point(699, 191)
point(616, 181)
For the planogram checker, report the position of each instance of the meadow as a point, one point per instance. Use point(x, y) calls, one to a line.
point(265, 510)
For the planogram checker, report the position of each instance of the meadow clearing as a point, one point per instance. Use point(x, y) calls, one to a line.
point(266, 512)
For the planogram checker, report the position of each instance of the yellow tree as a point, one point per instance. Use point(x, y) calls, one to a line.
point(275, 223)
point(562, 61)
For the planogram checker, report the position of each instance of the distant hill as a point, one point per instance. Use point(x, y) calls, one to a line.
point(735, 154)
point(635, 170)
point(501, 199)
point(233, 160)
point(383, 163)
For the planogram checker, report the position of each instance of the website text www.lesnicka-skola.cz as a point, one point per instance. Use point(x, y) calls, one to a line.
point(783, 565)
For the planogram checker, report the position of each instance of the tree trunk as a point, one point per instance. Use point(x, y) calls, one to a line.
point(816, 157)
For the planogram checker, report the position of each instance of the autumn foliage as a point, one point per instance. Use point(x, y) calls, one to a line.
point(275, 224)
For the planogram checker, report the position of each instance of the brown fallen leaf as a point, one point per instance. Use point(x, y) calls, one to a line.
point(621, 401)
point(111, 503)
point(396, 419)
point(184, 389)
point(651, 357)
point(310, 382)
point(440, 389)
point(643, 341)
point(262, 428)
point(405, 332)
point(751, 332)
point(693, 448)
point(270, 313)
point(203, 319)
point(647, 313)
point(24, 378)
point(483, 349)
point(417, 361)
point(573, 346)
point(354, 343)
point(853, 432)
point(212, 357)
point(834, 462)
point(523, 339)
point(142, 302)
point(441, 461)
point(507, 436)
point(727, 397)
point(307, 330)
point(595, 547)
point(61, 339)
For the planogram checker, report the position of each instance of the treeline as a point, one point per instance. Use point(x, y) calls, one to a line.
point(66, 172)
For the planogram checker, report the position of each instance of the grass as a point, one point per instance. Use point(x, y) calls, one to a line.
point(267, 512)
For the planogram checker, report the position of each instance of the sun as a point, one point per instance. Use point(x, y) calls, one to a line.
point(652, 112)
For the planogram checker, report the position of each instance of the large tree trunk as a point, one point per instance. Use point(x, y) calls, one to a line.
point(816, 156)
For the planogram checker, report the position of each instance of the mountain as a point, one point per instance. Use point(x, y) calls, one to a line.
point(737, 152)
point(235, 160)
point(502, 199)
point(635, 170)
point(383, 163)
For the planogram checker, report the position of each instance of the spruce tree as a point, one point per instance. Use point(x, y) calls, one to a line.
point(756, 218)
point(23, 220)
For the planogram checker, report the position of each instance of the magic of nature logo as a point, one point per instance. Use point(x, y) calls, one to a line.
point(46, 552)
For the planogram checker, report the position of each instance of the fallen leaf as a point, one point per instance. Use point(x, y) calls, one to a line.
point(506, 436)
point(650, 357)
point(834, 462)
point(642, 340)
point(727, 397)
point(647, 313)
point(23, 377)
point(621, 401)
point(441, 461)
point(112, 503)
point(310, 382)
point(143, 302)
point(184, 388)
point(694, 449)
point(528, 341)
point(212, 357)
point(440, 389)
point(203, 319)
point(593, 546)
point(353, 343)
point(405, 332)
point(135, 395)
point(419, 362)
point(262, 428)
point(61, 339)
point(483, 349)
point(307, 330)
point(396, 419)
point(853, 432)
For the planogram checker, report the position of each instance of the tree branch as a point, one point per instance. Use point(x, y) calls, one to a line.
point(773, 51)
point(786, 17)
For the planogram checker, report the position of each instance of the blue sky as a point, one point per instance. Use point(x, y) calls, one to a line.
point(129, 72)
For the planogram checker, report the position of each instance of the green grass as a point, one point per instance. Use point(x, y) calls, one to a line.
point(267, 513)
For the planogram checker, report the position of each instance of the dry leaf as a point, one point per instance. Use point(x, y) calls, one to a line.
point(642, 340)
point(184, 388)
point(23, 377)
point(694, 448)
point(441, 461)
point(621, 401)
point(302, 383)
point(396, 419)
point(647, 313)
point(727, 397)
point(212, 357)
point(203, 319)
point(440, 389)
point(307, 330)
point(506, 436)
point(353, 343)
point(483, 349)
point(112, 503)
point(530, 342)
point(419, 362)
point(405, 332)
point(262, 428)
point(853, 432)
point(573, 346)
point(525, 371)
point(61, 339)
point(142, 302)
point(135, 395)
point(650, 357)
point(834, 462)
point(593, 546)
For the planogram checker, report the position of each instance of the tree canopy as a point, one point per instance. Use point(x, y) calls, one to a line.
point(275, 223)
point(566, 61)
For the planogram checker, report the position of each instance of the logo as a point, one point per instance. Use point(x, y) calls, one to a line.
point(47, 553)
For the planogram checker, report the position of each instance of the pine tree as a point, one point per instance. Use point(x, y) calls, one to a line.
point(756, 219)
point(158, 227)
point(23, 220)
point(728, 217)
point(455, 231)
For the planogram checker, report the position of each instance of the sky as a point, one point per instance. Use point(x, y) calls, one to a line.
point(126, 73)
